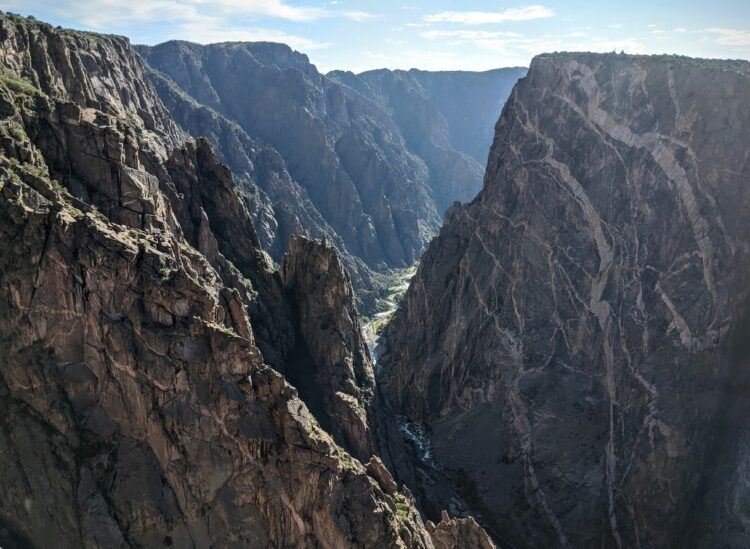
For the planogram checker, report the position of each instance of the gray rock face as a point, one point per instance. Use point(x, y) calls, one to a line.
point(470, 102)
point(279, 206)
point(143, 332)
point(339, 370)
point(569, 340)
point(446, 118)
point(340, 147)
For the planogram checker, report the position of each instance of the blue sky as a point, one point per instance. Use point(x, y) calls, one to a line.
point(471, 34)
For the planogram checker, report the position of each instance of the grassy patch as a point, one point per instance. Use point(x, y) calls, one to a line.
point(165, 273)
point(130, 119)
point(19, 84)
point(403, 509)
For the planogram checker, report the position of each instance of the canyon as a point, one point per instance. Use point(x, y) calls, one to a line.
point(373, 175)
point(247, 304)
point(147, 337)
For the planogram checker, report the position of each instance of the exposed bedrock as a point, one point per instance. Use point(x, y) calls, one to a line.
point(568, 340)
point(144, 333)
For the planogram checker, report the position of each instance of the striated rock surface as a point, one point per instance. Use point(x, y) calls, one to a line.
point(339, 146)
point(279, 206)
point(569, 342)
point(446, 118)
point(143, 331)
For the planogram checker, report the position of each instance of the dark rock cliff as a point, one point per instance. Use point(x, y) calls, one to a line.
point(331, 332)
point(280, 207)
point(144, 331)
point(339, 146)
point(569, 342)
point(446, 118)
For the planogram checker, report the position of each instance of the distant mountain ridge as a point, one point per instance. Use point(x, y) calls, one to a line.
point(468, 102)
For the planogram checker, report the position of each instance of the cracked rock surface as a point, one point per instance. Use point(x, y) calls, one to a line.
point(570, 340)
point(369, 161)
point(144, 332)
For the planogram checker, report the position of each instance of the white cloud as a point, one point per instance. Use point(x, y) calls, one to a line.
point(615, 26)
point(467, 35)
point(358, 16)
point(267, 8)
point(109, 12)
point(486, 17)
point(203, 21)
point(730, 37)
point(524, 47)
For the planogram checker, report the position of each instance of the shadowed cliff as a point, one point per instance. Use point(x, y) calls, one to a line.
point(566, 341)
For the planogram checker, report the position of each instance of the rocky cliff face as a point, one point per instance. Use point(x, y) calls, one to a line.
point(144, 330)
point(446, 118)
point(331, 336)
point(280, 207)
point(340, 147)
point(569, 341)
point(373, 160)
point(470, 102)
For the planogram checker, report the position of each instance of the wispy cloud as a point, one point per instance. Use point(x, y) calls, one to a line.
point(518, 45)
point(203, 21)
point(268, 8)
point(358, 15)
point(730, 37)
point(468, 35)
point(108, 12)
point(488, 17)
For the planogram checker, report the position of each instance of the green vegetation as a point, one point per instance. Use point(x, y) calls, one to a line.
point(346, 462)
point(16, 131)
point(395, 294)
point(19, 84)
point(42, 172)
point(379, 325)
point(403, 509)
point(164, 273)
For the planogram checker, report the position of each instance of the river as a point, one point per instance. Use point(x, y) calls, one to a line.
point(375, 326)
